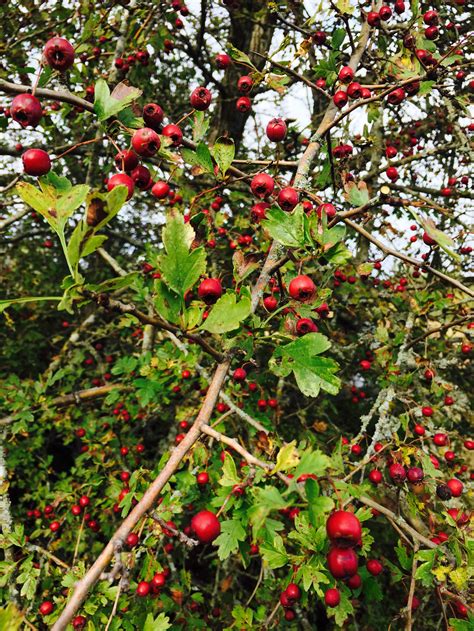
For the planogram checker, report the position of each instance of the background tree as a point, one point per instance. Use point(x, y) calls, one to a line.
point(251, 405)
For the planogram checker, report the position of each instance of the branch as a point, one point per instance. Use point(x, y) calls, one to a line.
point(74, 397)
point(148, 500)
point(398, 520)
point(250, 458)
point(128, 308)
point(191, 543)
point(438, 329)
point(9, 220)
point(408, 259)
point(412, 588)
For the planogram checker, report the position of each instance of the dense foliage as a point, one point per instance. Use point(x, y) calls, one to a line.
point(236, 331)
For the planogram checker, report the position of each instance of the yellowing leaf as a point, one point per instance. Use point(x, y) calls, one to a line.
point(287, 458)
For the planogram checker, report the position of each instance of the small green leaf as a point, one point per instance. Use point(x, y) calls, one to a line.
point(227, 314)
point(287, 228)
point(358, 194)
point(4, 304)
point(238, 56)
point(201, 157)
point(337, 38)
point(232, 532)
point(338, 254)
point(200, 126)
point(223, 152)
point(313, 462)
point(312, 372)
point(425, 87)
point(274, 553)
point(180, 268)
point(107, 105)
point(160, 623)
point(167, 302)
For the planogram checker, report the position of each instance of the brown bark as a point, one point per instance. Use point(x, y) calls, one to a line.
point(251, 29)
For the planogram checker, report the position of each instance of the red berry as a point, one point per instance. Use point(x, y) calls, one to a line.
point(343, 528)
point(26, 110)
point(456, 487)
point(375, 476)
point(302, 288)
point(276, 129)
point(205, 526)
point(202, 478)
point(121, 179)
point(332, 597)
point(262, 185)
point(46, 608)
point(36, 162)
point(200, 99)
point(210, 290)
point(59, 54)
point(293, 592)
point(160, 190)
point(288, 198)
point(342, 562)
point(374, 567)
point(397, 472)
point(346, 74)
point(174, 133)
point(153, 116)
point(146, 142)
point(143, 589)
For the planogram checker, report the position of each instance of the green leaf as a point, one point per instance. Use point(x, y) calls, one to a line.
point(287, 228)
point(229, 473)
point(201, 158)
point(424, 572)
point(443, 240)
point(238, 56)
point(318, 504)
point(38, 201)
point(232, 532)
point(223, 152)
point(4, 304)
point(107, 105)
point(311, 371)
point(358, 194)
point(338, 254)
point(204, 156)
point(11, 618)
point(324, 177)
point(314, 462)
point(93, 244)
point(227, 314)
point(71, 200)
point(425, 87)
point(311, 575)
point(266, 499)
point(345, 6)
point(337, 38)
point(274, 553)
point(461, 625)
point(180, 267)
point(167, 302)
point(114, 284)
point(287, 458)
point(200, 126)
point(403, 558)
point(343, 610)
point(160, 623)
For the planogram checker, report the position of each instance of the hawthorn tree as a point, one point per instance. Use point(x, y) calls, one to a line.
point(235, 315)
